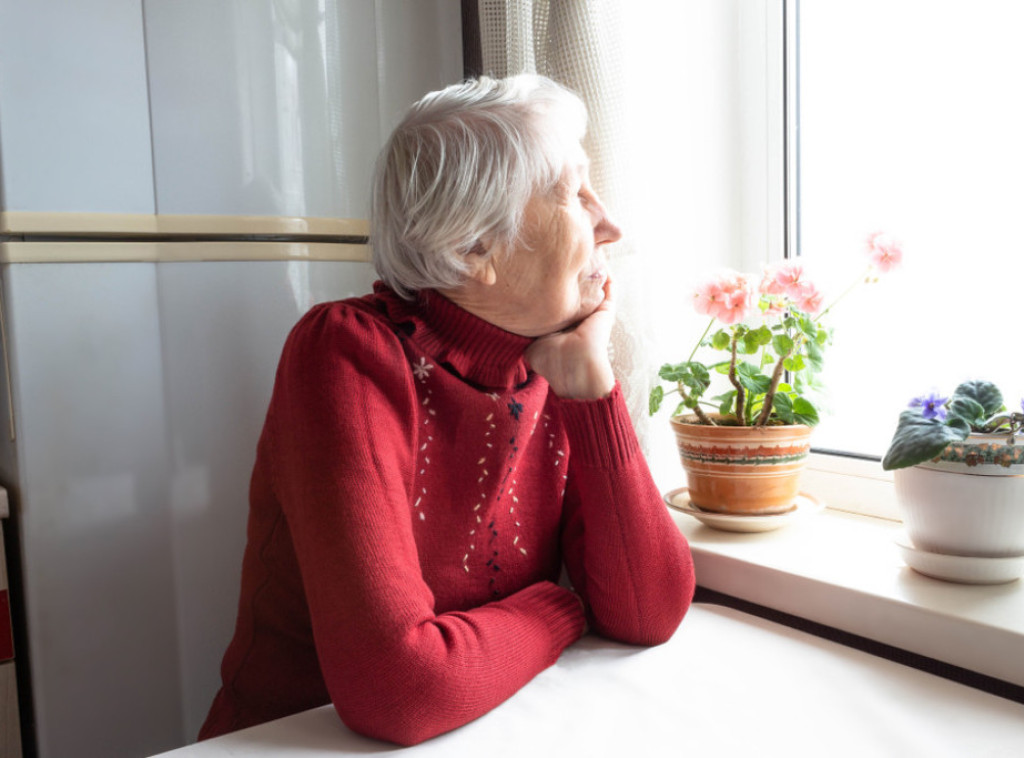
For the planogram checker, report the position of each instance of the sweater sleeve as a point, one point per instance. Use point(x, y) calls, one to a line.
point(342, 446)
point(624, 554)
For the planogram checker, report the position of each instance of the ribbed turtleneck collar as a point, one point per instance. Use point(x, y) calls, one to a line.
point(479, 351)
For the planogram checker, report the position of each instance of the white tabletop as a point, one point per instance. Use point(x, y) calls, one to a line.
point(727, 684)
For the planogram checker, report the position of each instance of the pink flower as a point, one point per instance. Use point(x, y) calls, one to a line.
point(769, 285)
point(786, 284)
point(808, 298)
point(727, 297)
point(784, 279)
point(775, 306)
point(885, 252)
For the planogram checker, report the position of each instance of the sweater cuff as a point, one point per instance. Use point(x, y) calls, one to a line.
point(566, 622)
point(600, 431)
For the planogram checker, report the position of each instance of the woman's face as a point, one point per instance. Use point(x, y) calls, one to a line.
point(554, 276)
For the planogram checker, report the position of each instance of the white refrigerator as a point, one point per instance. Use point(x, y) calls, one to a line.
point(179, 181)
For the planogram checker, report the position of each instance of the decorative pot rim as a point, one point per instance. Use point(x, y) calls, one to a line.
point(982, 455)
point(684, 420)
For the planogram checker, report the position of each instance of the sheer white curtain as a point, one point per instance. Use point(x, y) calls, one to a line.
point(577, 43)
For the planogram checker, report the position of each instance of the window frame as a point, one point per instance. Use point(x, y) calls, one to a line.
point(770, 93)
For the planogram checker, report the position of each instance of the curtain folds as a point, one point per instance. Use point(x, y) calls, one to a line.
point(576, 43)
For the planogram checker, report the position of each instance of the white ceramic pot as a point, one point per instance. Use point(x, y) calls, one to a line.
point(969, 501)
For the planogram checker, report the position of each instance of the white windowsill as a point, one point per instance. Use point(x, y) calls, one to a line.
point(844, 571)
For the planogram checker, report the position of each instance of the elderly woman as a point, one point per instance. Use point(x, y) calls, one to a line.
point(435, 452)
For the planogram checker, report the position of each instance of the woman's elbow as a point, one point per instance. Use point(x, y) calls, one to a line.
point(409, 702)
point(388, 726)
point(654, 620)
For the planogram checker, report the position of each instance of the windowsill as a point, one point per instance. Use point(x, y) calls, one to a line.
point(844, 571)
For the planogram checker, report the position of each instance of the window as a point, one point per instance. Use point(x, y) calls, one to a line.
point(909, 121)
point(900, 116)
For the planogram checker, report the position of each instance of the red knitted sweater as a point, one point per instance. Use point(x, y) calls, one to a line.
point(415, 494)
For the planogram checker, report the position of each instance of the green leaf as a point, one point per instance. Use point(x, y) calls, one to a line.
point(782, 343)
point(654, 402)
point(815, 356)
point(918, 439)
point(966, 409)
point(782, 406)
point(684, 406)
point(808, 326)
point(985, 393)
point(721, 340)
point(693, 374)
point(805, 412)
point(794, 363)
point(751, 378)
point(698, 379)
point(962, 426)
point(725, 402)
point(763, 335)
point(672, 372)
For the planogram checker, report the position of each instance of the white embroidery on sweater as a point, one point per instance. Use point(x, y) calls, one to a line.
point(424, 451)
point(422, 369)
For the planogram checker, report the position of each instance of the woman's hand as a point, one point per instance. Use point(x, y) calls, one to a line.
point(575, 361)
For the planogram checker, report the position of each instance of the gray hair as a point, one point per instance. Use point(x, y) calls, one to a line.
point(462, 165)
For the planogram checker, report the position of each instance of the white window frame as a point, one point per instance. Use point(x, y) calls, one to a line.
point(768, 143)
point(835, 569)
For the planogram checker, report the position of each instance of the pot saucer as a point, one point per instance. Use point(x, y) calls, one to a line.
point(805, 504)
point(963, 569)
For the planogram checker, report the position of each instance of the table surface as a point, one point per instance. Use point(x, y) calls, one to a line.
point(727, 684)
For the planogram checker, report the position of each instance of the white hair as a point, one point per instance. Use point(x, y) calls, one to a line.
point(460, 167)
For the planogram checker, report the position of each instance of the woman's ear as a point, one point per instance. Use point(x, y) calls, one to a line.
point(481, 263)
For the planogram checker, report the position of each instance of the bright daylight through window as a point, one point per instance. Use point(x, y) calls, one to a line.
point(910, 122)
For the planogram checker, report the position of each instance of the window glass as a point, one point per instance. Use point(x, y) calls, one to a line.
point(911, 122)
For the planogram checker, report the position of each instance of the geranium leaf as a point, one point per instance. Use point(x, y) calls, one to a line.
point(782, 344)
point(783, 408)
point(720, 340)
point(654, 402)
point(794, 363)
point(815, 356)
point(752, 379)
point(725, 402)
point(805, 412)
point(672, 372)
point(763, 335)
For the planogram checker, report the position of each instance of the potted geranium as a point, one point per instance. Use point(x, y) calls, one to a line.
point(744, 448)
point(959, 472)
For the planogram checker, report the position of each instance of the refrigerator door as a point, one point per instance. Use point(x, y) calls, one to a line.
point(278, 109)
point(141, 370)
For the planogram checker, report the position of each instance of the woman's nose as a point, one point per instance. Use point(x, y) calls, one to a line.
point(605, 230)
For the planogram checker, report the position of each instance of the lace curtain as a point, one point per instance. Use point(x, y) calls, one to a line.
point(574, 42)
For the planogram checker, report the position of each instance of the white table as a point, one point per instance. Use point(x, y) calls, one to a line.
point(727, 684)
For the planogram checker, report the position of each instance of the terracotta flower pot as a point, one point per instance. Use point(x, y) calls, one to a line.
point(742, 469)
